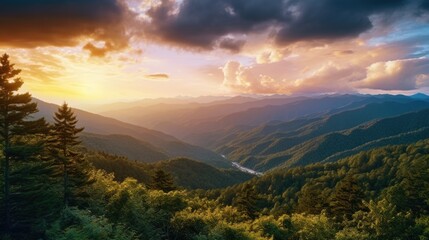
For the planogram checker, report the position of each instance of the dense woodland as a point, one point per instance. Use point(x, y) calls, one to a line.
point(52, 188)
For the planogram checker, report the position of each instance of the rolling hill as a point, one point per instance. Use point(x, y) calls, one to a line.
point(271, 138)
point(122, 145)
point(207, 132)
point(183, 119)
point(186, 173)
point(406, 128)
point(168, 145)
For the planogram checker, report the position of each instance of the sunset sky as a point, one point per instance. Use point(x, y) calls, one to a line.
point(102, 51)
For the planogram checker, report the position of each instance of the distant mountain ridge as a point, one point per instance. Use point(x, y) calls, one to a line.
point(123, 145)
point(260, 133)
point(403, 129)
point(168, 145)
point(269, 139)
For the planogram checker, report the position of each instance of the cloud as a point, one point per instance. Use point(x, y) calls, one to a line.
point(343, 52)
point(231, 44)
point(98, 51)
point(157, 76)
point(29, 23)
point(255, 79)
point(330, 78)
point(241, 79)
point(404, 74)
point(332, 19)
point(202, 24)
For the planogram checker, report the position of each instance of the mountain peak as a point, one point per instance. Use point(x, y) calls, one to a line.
point(420, 96)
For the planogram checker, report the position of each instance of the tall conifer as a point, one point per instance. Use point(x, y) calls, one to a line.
point(16, 129)
point(162, 181)
point(65, 138)
point(347, 198)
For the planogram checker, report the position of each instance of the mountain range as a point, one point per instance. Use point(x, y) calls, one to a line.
point(136, 141)
point(260, 133)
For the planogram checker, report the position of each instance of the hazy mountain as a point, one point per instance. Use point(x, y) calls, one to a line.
point(420, 96)
point(272, 138)
point(167, 144)
point(294, 108)
point(288, 111)
point(286, 131)
point(123, 145)
point(154, 101)
point(406, 128)
point(170, 117)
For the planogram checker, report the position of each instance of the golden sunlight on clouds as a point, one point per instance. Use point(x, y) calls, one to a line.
point(66, 74)
point(405, 74)
point(133, 49)
point(328, 68)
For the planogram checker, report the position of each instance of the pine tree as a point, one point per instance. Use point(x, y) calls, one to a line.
point(162, 181)
point(65, 138)
point(246, 201)
point(347, 198)
point(312, 198)
point(19, 145)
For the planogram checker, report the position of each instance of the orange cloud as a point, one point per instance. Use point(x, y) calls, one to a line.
point(403, 74)
point(30, 24)
point(157, 76)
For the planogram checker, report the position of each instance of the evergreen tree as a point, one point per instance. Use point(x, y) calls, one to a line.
point(312, 198)
point(21, 147)
point(246, 201)
point(347, 198)
point(415, 185)
point(162, 181)
point(65, 138)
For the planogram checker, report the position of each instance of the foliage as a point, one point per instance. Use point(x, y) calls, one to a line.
point(64, 138)
point(347, 199)
point(186, 173)
point(27, 198)
point(246, 201)
point(162, 181)
point(76, 224)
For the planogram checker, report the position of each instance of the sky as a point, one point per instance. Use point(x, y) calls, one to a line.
point(90, 52)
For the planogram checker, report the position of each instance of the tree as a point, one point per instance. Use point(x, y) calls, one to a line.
point(383, 221)
point(414, 185)
point(162, 181)
point(347, 198)
point(312, 198)
point(65, 138)
point(246, 201)
point(15, 129)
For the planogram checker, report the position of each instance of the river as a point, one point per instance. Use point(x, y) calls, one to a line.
point(244, 169)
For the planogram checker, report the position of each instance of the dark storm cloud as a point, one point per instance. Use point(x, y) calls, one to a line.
point(233, 45)
point(333, 19)
point(425, 4)
point(201, 23)
point(204, 23)
point(32, 23)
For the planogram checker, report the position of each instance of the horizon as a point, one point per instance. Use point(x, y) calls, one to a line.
point(211, 99)
point(128, 50)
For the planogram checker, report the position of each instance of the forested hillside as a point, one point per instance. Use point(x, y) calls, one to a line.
point(327, 138)
point(186, 173)
point(146, 138)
